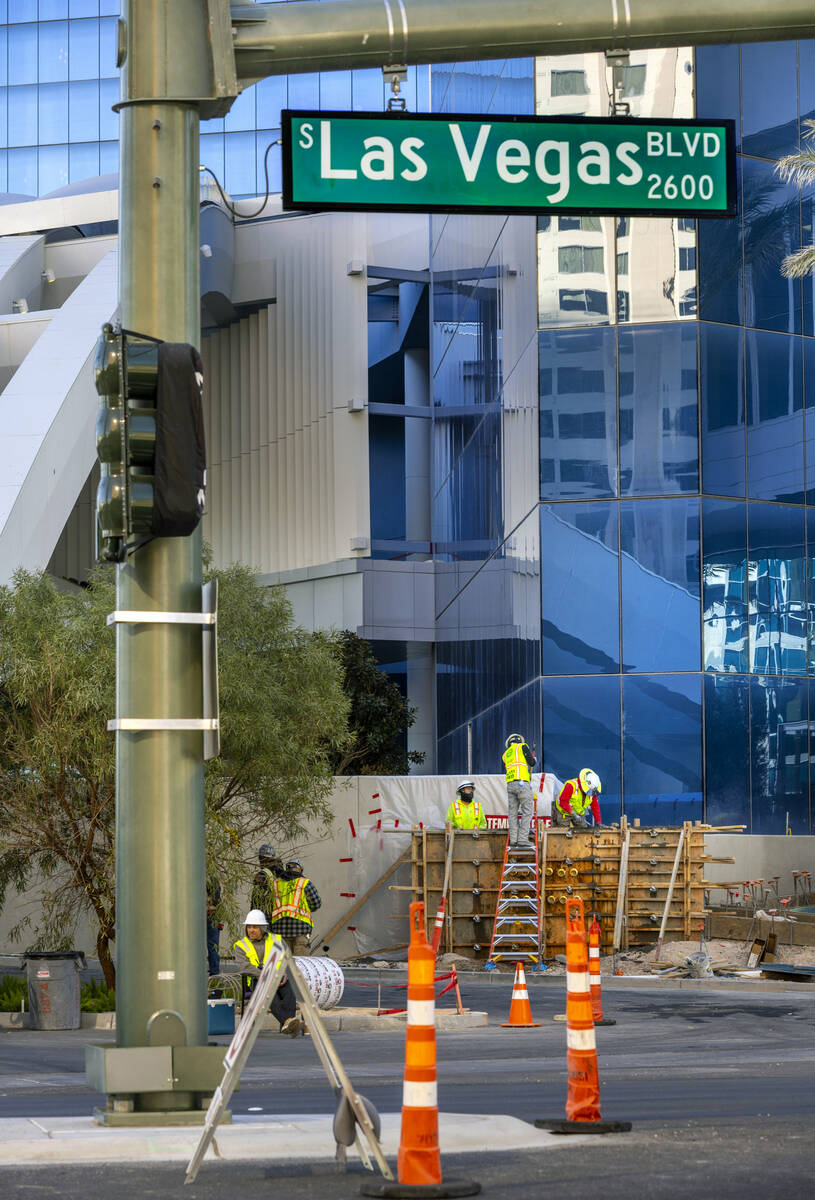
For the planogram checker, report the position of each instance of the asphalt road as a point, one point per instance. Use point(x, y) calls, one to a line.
point(719, 1087)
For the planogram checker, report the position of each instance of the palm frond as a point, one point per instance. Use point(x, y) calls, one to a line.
point(801, 263)
point(799, 167)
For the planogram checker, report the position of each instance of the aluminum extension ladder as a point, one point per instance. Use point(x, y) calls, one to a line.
point(517, 928)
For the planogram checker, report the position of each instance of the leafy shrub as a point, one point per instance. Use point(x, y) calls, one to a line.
point(13, 990)
point(96, 997)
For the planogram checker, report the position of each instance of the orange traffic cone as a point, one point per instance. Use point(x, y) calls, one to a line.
point(583, 1099)
point(595, 984)
point(419, 1161)
point(520, 1014)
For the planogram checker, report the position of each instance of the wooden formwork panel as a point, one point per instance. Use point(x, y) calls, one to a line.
point(584, 863)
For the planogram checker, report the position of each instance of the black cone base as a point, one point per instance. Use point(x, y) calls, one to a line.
point(564, 1126)
point(433, 1191)
point(606, 1021)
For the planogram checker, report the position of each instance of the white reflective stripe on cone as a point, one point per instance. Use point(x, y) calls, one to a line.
point(421, 1012)
point(420, 1095)
point(580, 1039)
point(520, 994)
point(577, 981)
point(594, 951)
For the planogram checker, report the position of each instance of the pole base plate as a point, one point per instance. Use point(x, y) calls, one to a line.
point(564, 1126)
point(433, 1191)
point(144, 1120)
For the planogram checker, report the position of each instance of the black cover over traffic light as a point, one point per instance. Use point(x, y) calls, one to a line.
point(150, 441)
point(180, 469)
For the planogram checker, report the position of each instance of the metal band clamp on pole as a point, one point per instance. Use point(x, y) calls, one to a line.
point(171, 724)
point(134, 617)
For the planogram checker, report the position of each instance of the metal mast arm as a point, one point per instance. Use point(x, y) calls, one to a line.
point(278, 39)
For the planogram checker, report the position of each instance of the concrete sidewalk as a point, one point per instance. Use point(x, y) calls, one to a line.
point(26, 1140)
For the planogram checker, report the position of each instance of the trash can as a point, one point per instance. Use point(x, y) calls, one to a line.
point(53, 988)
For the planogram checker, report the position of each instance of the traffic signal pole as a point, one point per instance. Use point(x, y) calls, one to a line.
point(161, 1025)
point(183, 60)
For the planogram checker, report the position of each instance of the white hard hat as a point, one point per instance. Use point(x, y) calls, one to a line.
point(255, 917)
point(465, 783)
point(590, 782)
point(513, 737)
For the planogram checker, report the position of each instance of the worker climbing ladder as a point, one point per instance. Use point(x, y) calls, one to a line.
point(516, 931)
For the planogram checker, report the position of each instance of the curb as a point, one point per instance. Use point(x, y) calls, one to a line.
point(334, 1020)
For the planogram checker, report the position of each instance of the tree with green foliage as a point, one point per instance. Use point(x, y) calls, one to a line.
point(283, 720)
point(379, 717)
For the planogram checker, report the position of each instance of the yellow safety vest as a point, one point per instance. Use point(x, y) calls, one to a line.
point(515, 763)
point(289, 900)
point(250, 949)
point(578, 801)
point(466, 816)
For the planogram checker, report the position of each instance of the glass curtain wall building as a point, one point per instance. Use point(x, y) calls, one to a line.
point(675, 538)
point(622, 412)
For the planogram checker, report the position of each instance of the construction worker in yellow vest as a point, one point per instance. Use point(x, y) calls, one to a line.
point(465, 812)
point(518, 763)
point(252, 953)
point(294, 899)
point(576, 797)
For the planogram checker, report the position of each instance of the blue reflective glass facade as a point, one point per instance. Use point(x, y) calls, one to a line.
point(621, 415)
point(676, 468)
point(58, 81)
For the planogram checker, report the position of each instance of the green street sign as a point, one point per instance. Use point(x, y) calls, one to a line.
point(401, 162)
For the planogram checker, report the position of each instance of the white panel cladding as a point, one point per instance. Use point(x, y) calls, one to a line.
point(47, 425)
point(288, 463)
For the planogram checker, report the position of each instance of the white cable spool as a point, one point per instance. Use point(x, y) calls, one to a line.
point(324, 979)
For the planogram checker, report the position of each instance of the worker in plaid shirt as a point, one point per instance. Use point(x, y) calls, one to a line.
point(289, 898)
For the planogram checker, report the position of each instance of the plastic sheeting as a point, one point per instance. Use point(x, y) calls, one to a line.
point(398, 803)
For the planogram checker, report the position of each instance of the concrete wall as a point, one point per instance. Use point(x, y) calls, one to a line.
point(759, 857)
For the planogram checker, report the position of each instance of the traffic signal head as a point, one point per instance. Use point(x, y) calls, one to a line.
point(150, 441)
point(126, 373)
point(111, 495)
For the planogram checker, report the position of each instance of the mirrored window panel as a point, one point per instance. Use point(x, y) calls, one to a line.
point(772, 230)
point(656, 268)
point(578, 413)
point(721, 267)
point(727, 750)
point(779, 755)
point(580, 586)
point(810, 531)
point(769, 99)
point(659, 412)
point(775, 417)
point(659, 559)
point(662, 748)
point(581, 723)
point(721, 356)
point(724, 586)
point(776, 554)
point(576, 270)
